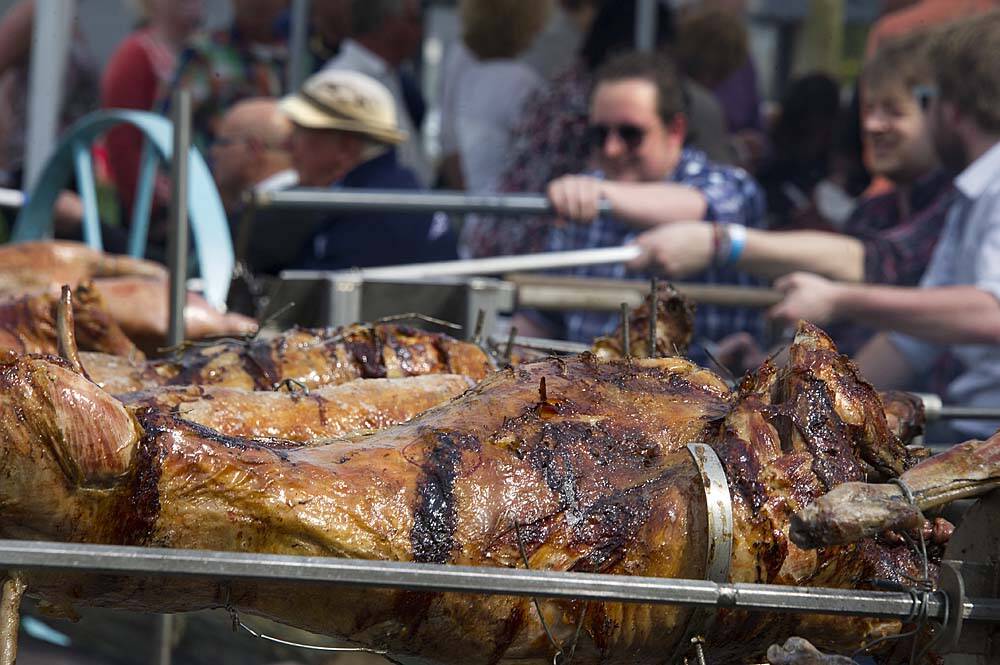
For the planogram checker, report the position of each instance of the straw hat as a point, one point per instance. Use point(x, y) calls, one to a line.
point(345, 100)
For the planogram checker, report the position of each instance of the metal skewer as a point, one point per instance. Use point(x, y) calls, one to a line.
point(227, 566)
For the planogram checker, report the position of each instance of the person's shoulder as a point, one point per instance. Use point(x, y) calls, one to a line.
point(695, 164)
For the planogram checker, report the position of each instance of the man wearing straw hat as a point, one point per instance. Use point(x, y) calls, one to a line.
point(345, 132)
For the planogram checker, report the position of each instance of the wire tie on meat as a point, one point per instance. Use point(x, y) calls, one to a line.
point(418, 317)
point(238, 623)
point(477, 334)
point(556, 658)
point(626, 336)
point(699, 650)
point(919, 593)
point(654, 315)
point(290, 385)
point(510, 346)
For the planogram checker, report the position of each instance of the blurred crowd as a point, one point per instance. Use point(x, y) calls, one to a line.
point(870, 202)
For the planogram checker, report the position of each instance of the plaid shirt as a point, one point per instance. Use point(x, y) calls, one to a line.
point(732, 197)
point(897, 249)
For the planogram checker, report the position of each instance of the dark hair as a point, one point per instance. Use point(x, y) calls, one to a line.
point(613, 31)
point(809, 107)
point(963, 56)
point(655, 68)
point(711, 45)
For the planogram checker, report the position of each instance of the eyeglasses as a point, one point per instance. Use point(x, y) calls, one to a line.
point(924, 94)
point(631, 135)
point(226, 141)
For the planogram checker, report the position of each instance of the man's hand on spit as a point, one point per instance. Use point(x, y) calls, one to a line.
point(576, 197)
point(678, 249)
point(807, 296)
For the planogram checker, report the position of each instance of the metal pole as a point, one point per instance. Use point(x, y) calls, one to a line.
point(504, 264)
point(645, 25)
point(408, 201)
point(51, 36)
point(567, 293)
point(297, 45)
point(226, 566)
point(177, 241)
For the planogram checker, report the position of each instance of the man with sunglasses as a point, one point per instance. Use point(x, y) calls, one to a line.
point(637, 132)
point(957, 308)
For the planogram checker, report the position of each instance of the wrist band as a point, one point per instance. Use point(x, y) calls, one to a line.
point(737, 240)
point(720, 243)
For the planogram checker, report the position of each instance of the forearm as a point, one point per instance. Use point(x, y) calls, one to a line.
point(883, 365)
point(645, 205)
point(946, 315)
point(776, 253)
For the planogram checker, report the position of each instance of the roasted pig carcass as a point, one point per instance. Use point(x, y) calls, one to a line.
point(140, 306)
point(28, 324)
point(303, 415)
point(579, 463)
point(134, 291)
point(34, 267)
point(307, 357)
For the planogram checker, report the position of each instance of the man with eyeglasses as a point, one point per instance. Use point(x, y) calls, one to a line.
point(251, 151)
point(957, 308)
point(637, 133)
point(888, 239)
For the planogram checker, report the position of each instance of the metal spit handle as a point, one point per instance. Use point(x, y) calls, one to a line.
point(936, 409)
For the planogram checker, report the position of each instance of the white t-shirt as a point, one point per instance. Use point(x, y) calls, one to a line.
point(481, 102)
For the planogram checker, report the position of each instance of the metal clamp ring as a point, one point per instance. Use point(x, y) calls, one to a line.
point(718, 554)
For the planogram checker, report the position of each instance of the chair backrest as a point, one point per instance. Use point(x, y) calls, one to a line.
point(209, 227)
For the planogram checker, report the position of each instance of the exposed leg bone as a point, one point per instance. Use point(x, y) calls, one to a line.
point(854, 511)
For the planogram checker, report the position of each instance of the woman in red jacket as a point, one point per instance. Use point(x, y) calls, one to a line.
point(137, 77)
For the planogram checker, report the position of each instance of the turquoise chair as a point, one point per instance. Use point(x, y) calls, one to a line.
point(207, 218)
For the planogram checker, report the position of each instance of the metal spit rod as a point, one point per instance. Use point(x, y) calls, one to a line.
point(936, 409)
point(221, 566)
point(407, 201)
point(569, 293)
point(503, 264)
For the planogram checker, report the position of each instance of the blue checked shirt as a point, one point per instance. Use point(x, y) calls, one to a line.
point(733, 197)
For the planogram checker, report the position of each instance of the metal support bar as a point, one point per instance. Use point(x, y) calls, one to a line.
point(503, 264)
point(645, 25)
point(177, 242)
point(568, 293)
point(88, 195)
point(408, 201)
point(51, 37)
point(936, 409)
point(297, 45)
point(225, 566)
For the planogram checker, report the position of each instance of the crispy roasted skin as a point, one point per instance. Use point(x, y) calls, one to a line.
point(140, 306)
point(311, 357)
point(586, 471)
point(305, 416)
point(674, 328)
point(28, 325)
point(35, 267)
point(134, 290)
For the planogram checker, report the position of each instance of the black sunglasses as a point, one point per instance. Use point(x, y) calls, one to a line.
point(631, 135)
